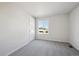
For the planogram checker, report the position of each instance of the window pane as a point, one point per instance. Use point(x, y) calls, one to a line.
point(43, 26)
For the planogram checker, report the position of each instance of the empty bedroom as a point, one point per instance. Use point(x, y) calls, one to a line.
point(39, 28)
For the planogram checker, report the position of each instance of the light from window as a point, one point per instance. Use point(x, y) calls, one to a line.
point(43, 26)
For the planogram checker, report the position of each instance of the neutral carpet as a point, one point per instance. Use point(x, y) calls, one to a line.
point(46, 48)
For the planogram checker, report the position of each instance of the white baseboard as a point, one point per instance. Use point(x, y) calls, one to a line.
point(55, 40)
point(75, 46)
point(18, 48)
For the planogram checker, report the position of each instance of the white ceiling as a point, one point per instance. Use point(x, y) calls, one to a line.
point(43, 9)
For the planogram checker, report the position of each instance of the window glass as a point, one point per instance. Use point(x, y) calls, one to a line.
point(43, 27)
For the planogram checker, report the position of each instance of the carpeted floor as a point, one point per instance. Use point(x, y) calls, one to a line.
point(46, 48)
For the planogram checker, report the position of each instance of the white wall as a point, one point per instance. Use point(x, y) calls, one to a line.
point(58, 28)
point(15, 27)
point(74, 28)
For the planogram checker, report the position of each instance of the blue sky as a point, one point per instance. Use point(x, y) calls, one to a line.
point(43, 23)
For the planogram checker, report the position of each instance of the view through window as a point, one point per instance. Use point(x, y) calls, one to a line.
point(43, 26)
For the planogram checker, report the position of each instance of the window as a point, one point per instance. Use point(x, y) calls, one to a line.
point(43, 26)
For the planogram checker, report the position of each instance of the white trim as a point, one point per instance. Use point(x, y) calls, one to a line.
point(18, 48)
point(55, 40)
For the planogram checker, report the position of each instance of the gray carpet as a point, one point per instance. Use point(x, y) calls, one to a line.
point(46, 48)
